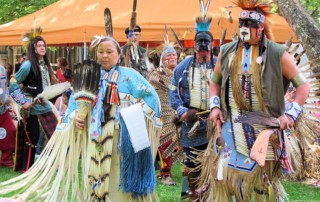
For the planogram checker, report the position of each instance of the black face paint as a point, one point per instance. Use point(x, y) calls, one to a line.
point(249, 23)
point(203, 42)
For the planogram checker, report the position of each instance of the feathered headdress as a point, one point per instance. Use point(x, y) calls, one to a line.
point(203, 21)
point(250, 8)
point(29, 36)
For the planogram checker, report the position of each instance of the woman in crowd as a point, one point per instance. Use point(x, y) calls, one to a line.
point(125, 105)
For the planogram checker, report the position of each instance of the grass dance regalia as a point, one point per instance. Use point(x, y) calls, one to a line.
point(160, 79)
point(116, 166)
point(34, 75)
point(253, 150)
point(189, 94)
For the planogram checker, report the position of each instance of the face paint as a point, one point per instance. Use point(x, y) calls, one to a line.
point(249, 23)
point(245, 34)
point(251, 26)
point(203, 42)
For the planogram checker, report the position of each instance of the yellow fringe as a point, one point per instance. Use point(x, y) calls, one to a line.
point(235, 83)
point(237, 92)
point(235, 183)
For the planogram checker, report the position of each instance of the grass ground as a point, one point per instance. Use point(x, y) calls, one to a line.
point(298, 192)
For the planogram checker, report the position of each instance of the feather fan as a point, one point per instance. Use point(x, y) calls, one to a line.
point(53, 91)
point(85, 84)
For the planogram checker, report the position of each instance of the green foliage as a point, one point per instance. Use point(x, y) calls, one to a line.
point(313, 8)
point(297, 192)
point(14, 9)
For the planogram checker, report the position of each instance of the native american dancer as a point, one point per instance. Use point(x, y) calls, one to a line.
point(117, 138)
point(189, 95)
point(160, 79)
point(252, 74)
point(7, 127)
point(135, 56)
point(34, 75)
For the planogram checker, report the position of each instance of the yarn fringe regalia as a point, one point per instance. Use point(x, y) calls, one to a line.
point(137, 170)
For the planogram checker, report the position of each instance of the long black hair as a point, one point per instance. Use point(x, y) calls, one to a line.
point(33, 58)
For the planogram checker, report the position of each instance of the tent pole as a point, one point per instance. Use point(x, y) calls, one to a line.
point(84, 47)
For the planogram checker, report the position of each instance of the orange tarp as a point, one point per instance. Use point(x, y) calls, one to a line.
point(73, 21)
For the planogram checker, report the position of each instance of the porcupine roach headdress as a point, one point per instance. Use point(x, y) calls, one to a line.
point(29, 36)
point(250, 8)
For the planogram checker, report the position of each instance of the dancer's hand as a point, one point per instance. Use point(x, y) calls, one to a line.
point(216, 114)
point(285, 121)
point(79, 122)
point(183, 117)
point(27, 105)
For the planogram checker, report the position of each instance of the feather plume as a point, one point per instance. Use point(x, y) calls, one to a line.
point(223, 36)
point(289, 42)
point(203, 21)
point(177, 39)
point(133, 20)
point(29, 36)
point(293, 51)
point(194, 129)
point(53, 91)
point(108, 22)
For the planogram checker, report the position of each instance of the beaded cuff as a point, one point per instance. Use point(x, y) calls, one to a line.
point(294, 110)
point(214, 102)
point(18, 96)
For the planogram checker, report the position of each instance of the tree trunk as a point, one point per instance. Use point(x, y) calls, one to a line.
point(305, 28)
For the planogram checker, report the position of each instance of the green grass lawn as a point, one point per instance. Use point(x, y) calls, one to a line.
point(298, 192)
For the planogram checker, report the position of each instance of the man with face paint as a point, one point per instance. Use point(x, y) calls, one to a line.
point(33, 76)
point(160, 78)
point(253, 74)
point(134, 55)
point(189, 94)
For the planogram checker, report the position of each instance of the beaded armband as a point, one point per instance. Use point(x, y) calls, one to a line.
point(298, 80)
point(216, 78)
point(214, 102)
point(294, 110)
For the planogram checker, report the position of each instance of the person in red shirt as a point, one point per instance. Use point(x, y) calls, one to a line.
point(62, 70)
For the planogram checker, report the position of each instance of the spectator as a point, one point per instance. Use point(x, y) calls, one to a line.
point(62, 67)
point(22, 59)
